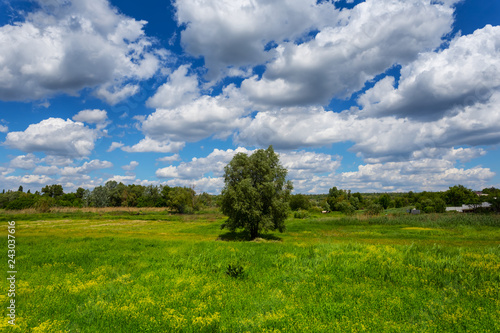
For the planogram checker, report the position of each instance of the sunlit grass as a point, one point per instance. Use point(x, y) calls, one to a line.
point(168, 273)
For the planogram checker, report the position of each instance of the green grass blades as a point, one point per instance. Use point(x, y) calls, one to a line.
point(179, 273)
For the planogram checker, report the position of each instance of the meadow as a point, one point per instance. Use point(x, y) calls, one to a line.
point(152, 271)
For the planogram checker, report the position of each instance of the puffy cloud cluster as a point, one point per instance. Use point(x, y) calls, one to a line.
point(98, 117)
point(317, 172)
point(65, 46)
point(415, 175)
point(131, 166)
point(171, 158)
point(28, 181)
point(26, 162)
point(55, 136)
point(39, 172)
point(150, 145)
point(441, 83)
point(312, 50)
point(235, 33)
point(86, 168)
point(364, 42)
point(183, 114)
point(376, 139)
point(213, 164)
point(410, 132)
point(206, 172)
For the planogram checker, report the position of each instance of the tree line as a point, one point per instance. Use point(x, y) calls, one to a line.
point(185, 199)
point(112, 194)
point(374, 203)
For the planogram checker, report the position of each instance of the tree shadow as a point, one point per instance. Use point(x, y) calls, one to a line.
point(243, 236)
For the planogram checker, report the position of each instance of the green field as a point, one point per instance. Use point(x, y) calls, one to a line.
point(150, 271)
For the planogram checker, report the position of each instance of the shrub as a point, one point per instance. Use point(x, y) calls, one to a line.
point(44, 204)
point(235, 271)
point(299, 201)
point(346, 208)
point(300, 214)
point(374, 209)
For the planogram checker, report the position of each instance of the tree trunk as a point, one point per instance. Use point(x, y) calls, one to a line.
point(254, 232)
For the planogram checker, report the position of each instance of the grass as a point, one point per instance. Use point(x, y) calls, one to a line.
point(156, 272)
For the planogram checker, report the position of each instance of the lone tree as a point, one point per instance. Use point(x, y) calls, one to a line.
point(255, 196)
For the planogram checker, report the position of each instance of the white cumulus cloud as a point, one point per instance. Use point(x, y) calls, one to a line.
point(65, 46)
point(86, 168)
point(26, 162)
point(358, 45)
point(151, 145)
point(55, 136)
point(437, 83)
point(91, 116)
point(131, 166)
point(235, 33)
point(199, 118)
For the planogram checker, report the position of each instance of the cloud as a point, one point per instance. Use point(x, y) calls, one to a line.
point(123, 179)
point(131, 166)
point(181, 88)
point(418, 175)
point(461, 154)
point(27, 180)
point(196, 119)
point(301, 165)
point(55, 136)
point(206, 172)
point(26, 162)
point(292, 128)
point(440, 83)
point(86, 168)
point(113, 94)
point(64, 48)
point(115, 145)
point(213, 164)
point(358, 45)
point(46, 170)
point(6, 171)
point(235, 33)
point(200, 185)
point(171, 158)
point(313, 172)
point(91, 116)
point(57, 160)
point(151, 145)
point(375, 139)
point(3, 129)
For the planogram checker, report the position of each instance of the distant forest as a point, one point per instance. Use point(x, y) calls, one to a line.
point(186, 200)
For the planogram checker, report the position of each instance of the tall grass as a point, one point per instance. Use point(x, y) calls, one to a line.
point(322, 275)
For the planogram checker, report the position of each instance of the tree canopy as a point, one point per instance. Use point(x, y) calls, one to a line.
point(256, 193)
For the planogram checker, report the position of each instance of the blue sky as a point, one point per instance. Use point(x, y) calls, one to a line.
point(370, 96)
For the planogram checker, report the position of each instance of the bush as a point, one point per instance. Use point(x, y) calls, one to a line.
point(299, 201)
point(235, 271)
point(346, 208)
point(22, 202)
point(374, 209)
point(44, 204)
point(300, 214)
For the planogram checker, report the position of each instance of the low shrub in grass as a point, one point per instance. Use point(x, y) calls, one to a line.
point(300, 214)
point(235, 271)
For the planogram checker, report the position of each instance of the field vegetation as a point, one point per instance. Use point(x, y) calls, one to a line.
point(149, 270)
